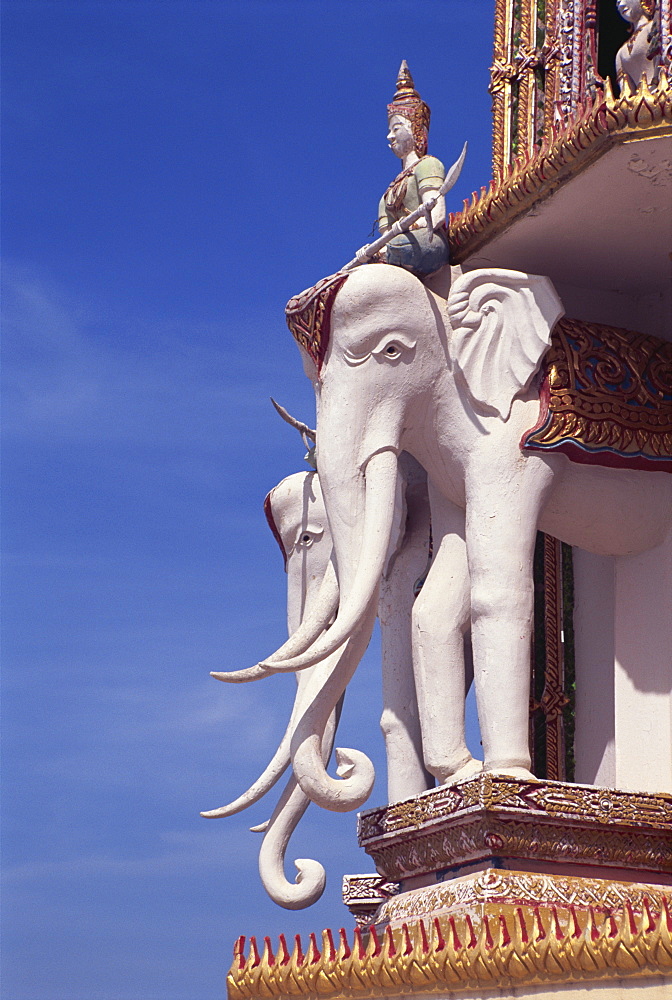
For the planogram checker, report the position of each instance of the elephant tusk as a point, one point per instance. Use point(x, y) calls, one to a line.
point(312, 626)
point(278, 763)
point(303, 429)
point(314, 623)
point(259, 828)
point(243, 676)
point(381, 479)
point(271, 774)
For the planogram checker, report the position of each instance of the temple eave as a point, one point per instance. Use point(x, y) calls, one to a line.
point(603, 168)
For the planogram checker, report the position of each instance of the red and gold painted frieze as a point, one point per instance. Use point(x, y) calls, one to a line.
point(606, 398)
point(492, 819)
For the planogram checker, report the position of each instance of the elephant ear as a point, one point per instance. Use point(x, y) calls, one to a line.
point(501, 328)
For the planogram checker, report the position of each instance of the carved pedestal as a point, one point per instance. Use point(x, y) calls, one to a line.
point(494, 888)
point(520, 887)
point(546, 827)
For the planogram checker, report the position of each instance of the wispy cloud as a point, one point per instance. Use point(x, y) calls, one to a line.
point(183, 851)
point(75, 371)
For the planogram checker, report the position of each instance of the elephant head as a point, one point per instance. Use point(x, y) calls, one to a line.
point(387, 384)
point(296, 516)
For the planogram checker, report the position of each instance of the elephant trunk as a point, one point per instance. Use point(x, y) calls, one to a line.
point(310, 881)
point(361, 558)
point(325, 688)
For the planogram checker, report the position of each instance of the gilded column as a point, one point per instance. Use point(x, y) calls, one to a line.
point(501, 75)
point(526, 61)
point(551, 63)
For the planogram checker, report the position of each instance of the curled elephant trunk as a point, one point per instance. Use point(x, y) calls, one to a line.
point(310, 881)
point(325, 688)
point(313, 625)
point(380, 487)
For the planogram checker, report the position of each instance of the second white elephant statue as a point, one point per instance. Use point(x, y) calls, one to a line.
point(295, 512)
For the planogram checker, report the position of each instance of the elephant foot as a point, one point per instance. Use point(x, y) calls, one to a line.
point(468, 770)
point(511, 772)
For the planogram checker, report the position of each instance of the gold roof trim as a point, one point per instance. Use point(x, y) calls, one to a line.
point(489, 947)
point(571, 148)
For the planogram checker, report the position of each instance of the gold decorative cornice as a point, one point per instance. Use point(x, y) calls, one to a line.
point(572, 147)
point(500, 946)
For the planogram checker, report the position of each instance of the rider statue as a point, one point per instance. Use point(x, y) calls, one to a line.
point(423, 248)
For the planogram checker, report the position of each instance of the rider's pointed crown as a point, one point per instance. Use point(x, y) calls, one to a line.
point(408, 104)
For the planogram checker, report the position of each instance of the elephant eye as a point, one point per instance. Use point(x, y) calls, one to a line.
point(307, 537)
point(392, 350)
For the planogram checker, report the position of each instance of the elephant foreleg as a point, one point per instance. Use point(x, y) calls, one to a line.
point(400, 721)
point(501, 530)
point(440, 620)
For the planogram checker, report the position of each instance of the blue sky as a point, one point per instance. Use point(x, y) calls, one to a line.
point(173, 172)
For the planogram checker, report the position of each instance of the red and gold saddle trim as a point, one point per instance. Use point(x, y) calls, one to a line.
point(308, 316)
point(606, 398)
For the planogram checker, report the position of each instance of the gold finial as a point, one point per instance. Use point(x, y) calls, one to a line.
point(405, 86)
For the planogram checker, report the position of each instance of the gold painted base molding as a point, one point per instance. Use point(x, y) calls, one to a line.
point(495, 886)
point(486, 947)
point(495, 821)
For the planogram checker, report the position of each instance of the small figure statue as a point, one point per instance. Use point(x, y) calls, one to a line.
point(640, 56)
point(423, 248)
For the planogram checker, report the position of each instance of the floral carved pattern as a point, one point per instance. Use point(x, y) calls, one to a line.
point(519, 888)
point(606, 398)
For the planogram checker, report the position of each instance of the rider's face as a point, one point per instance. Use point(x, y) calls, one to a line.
point(400, 136)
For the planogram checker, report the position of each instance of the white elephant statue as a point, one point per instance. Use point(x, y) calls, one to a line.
point(453, 385)
point(296, 515)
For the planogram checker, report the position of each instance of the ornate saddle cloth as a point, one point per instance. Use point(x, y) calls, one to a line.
point(308, 316)
point(606, 398)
